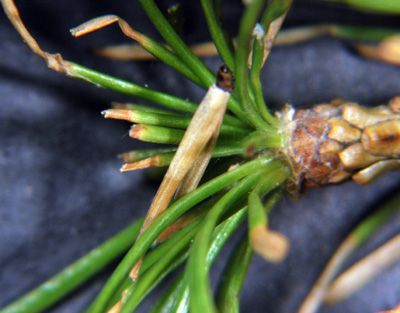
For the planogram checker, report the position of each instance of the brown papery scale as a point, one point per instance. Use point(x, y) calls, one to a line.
point(329, 143)
point(225, 79)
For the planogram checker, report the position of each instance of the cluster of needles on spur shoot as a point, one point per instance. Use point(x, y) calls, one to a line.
point(257, 156)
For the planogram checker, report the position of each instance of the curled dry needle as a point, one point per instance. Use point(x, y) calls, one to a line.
point(326, 288)
point(327, 143)
point(363, 271)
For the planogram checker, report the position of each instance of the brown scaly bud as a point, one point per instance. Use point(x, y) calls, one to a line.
point(329, 143)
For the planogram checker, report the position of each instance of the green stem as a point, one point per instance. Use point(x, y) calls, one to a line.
point(258, 213)
point(183, 51)
point(167, 301)
point(275, 9)
point(177, 121)
point(221, 234)
point(170, 242)
point(165, 158)
point(176, 43)
point(262, 140)
point(173, 136)
point(166, 219)
point(131, 89)
point(170, 259)
point(217, 33)
point(233, 277)
point(180, 303)
point(247, 24)
point(144, 108)
point(128, 88)
point(138, 155)
point(76, 274)
point(169, 58)
point(199, 286)
point(256, 66)
point(157, 134)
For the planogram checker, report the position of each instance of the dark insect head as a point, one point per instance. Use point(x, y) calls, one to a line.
point(225, 79)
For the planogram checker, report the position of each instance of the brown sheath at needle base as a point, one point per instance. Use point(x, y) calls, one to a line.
point(206, 120)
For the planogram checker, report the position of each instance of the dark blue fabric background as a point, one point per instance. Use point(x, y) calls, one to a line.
point(61, 192)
